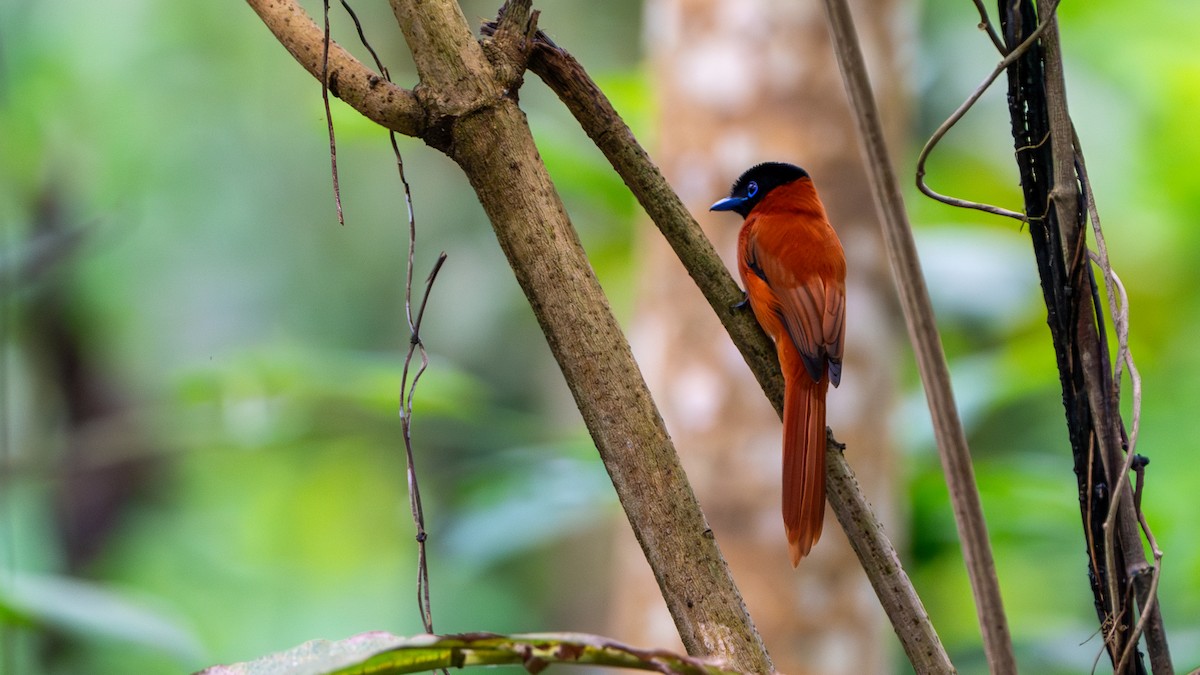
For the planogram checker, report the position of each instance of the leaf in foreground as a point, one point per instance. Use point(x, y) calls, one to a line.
point(382, 653)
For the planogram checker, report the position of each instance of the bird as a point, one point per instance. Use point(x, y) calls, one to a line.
point(793, 268)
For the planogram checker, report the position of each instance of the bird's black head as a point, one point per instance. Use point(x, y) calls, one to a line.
point(755, 184)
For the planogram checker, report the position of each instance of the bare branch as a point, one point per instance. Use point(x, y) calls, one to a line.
point(595, 113)
point(985, 24)
point(449, 60)
point(325, 42)
point(478, 124)
point(498, 155)
point(923, 333)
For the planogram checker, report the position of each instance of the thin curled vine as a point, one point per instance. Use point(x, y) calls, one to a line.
point(961, 111)
point(410, 375)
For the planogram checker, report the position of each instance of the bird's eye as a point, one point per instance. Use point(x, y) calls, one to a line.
point(751, 189)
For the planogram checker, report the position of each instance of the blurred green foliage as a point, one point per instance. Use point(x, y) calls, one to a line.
point(255, 346)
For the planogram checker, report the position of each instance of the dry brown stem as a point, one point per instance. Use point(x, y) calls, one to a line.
point(927, 345)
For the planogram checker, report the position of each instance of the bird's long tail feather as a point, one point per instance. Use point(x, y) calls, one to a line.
point(803, 459)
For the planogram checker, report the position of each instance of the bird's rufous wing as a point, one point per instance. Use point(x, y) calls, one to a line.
point(811, 301)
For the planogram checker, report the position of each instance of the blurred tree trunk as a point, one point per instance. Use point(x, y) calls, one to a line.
point(104, 460)
point(739, 84)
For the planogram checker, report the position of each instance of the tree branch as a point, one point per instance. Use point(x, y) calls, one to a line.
point(927, 345)
point(1120, 522)
point(473, 117)
point(498, 155)
point(362, 88)
point(595, 113)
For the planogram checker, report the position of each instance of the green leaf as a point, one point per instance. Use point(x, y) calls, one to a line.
point(381, 653)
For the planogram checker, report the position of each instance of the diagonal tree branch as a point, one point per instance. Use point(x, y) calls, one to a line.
point(927, 345)
point(469, 107)
point(595, 113)
point(603, 124)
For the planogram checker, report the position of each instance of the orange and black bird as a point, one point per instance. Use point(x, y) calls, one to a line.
point(794, 271)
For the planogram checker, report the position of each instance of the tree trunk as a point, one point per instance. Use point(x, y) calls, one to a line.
point(735, 90)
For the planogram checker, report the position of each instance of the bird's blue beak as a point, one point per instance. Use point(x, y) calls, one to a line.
point(728, 204)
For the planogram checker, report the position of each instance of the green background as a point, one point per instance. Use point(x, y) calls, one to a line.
point(257, 345)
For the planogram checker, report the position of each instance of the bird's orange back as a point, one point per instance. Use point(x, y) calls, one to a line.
point(794, 271)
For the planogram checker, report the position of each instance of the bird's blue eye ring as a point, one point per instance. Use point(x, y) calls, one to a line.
point(751, 189)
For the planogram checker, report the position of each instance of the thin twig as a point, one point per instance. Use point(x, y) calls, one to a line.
point(1118, 312)
point(985, 24)
point(961, 111)
point(412, 225)
point(1147, 607)
point(357, 85)
point(927, 346)
point(337, 191)
point(415, 345)
point(408, 390)
point(362, 38)
point(1151, 606)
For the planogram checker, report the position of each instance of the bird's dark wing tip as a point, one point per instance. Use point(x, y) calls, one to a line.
point(815, 365)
